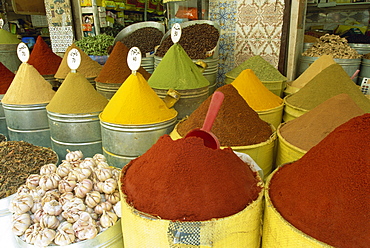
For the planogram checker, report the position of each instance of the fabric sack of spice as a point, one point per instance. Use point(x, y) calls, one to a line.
point(188, 195)
point(322, 199)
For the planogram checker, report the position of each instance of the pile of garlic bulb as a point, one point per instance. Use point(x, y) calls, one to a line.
point(68, 203)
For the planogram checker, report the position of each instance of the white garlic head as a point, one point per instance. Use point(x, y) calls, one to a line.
point(52, 207)
point(21, 204)
point(49, 181)
point(33, 181)
point(113, 198)
point(66, 185)
point(103, 174)
point(83, 173)
point(49, 196)
point(103, 206)
point(32, 232)
point(20, 223)
point(109, 186)
point(36, 206)
point(92, 199)
point(117, 209)
point(108, 219)
point(45, 237)
point(74, 156)
point(38, 215)
point(49, 221)
point(99, 158)
point(23, 190)
point(85, 227)
point(37, 193)
point(48, 169)
point(83, 187)
point(65, 197)
point(64, 169)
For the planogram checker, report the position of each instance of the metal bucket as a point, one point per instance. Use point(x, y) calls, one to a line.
point(110, 238)
point(360, 48)
point(349, 65)
point(107, 89)
point(52, 80)
point(9, 57)
point(91, 80)
point(3, 126)
point(122, 143)
point(307, 45)
point(75, 132)
point(28, 123)
point(148, 64)
point(189, 100)
point(6, 234)
point(364, 71)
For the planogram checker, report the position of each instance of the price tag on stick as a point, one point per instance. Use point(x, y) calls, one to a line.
point(176, 33)
point(23, 52)
point(134, 59)
point(1, 23)
point(73, 59)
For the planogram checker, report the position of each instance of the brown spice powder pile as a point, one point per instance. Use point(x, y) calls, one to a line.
point(236, 124)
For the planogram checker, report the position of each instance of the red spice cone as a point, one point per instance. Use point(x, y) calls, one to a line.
point(6, 78)
point(43, 58)
point(116, 69)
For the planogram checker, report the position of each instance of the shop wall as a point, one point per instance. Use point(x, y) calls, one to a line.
point(249, 28)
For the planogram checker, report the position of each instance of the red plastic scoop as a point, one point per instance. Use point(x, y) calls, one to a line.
point(210, 140)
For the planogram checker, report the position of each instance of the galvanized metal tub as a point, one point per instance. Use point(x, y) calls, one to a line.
point(189, 100)
point(52, 80)
point(75, 132)
point(364, 71)
point(28, 123)
point(360, 48)
point(91, 80)
point(9, 57)
point(148, 64)
point(3, 126)
point(122, 143)
point(6, 234)
point(107, 89)
point(110, 238)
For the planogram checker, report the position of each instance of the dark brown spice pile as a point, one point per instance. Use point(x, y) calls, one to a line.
point(18, 160)
point(196, 40)
point(146, 39)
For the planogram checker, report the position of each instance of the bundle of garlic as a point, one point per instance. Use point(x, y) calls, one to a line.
point(66, 204)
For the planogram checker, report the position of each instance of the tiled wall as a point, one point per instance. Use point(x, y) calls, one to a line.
point(249, 28)
point(331, 19)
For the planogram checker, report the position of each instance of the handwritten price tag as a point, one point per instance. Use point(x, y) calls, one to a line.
point(176, 33)
point(23, 52)
point(1, 23)
point(74, 59)
point(134, 59)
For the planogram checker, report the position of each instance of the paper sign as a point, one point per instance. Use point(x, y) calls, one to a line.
point(134, 59)
point(23, 52)
point(176, 33)
point(74, 59)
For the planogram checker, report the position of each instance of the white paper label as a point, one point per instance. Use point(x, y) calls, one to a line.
point(74, 59)
point(1, 23)
point(176, 33)
point(23, 52)
point(134, 59)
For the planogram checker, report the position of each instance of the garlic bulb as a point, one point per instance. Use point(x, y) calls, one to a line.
point(115, 173)
point(108, 219)
point(103, 206)
point(88, 163)
point(66, 185)
point(64, 169)
point(71, 215)
point(36, 206)
point(103, 174)
point(65, 234)
point(38, 215)
point(113, 198)
point(49, 196)
point(52, 207)
point(49, 181)
point(20, 223)
point(83, 173)
point(97, 186)
point(21, 204)
point(117, 209)
point(71, 176)
point(85, 227)
point(92, 199)
point(109, 186)
point(49, 221)
point(99, 158)
point(33, 181)
point(65, 197)
point(37, 193)
point(48, 169)
point(23, 190)
point(45, 237)
point(102, 164)
point(83, 187)
point(32, 232)
point(74, 156)
point(74, 203)
point(92, 213)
